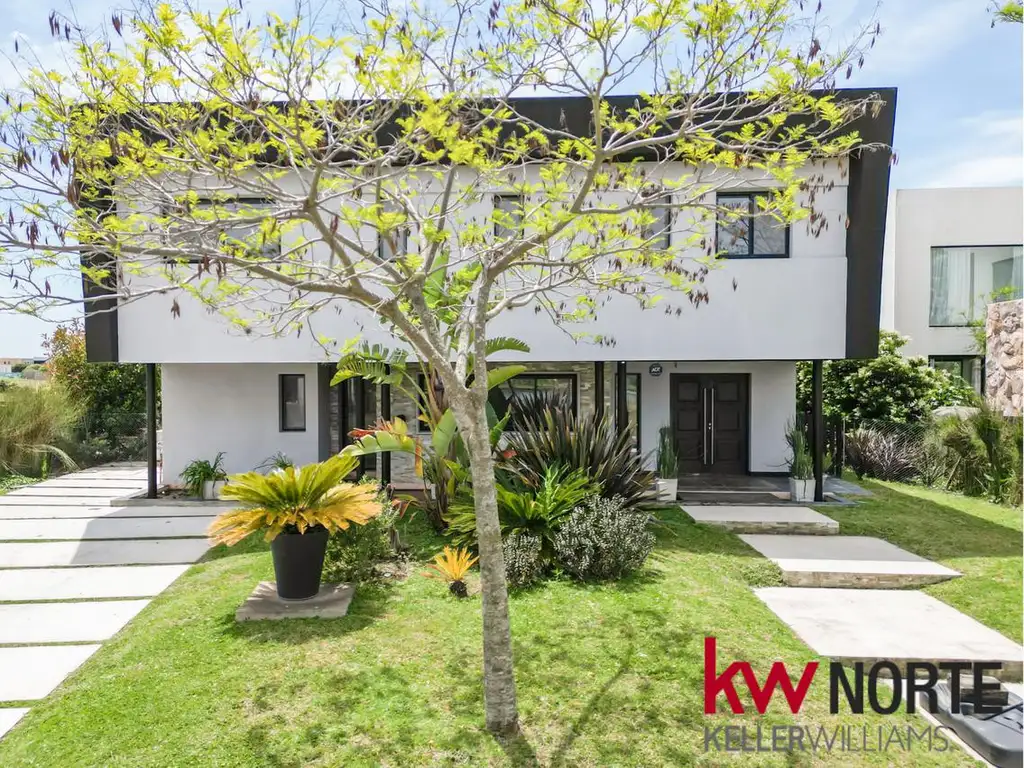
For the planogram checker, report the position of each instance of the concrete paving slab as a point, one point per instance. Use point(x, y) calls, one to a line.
point(46, 511)
point(889, 625)
point(104, 528)
point(846, 561)
point(63, 553)
point(9, 718)
point(22, 623)
point(87, 583)
point(84, 491)
point(75, 481)
point(763, 519)
point(33, 672)
point(331, 602)
point(10, 500)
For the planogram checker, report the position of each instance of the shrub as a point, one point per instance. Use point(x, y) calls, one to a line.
point(603, 539)
point(589, 443)
point(523, 564)
point(884, 454)
point(889, 387)
point(984, 455)
point(526, 505)
point(801, 463)
point(353, 553)
point(34, 423)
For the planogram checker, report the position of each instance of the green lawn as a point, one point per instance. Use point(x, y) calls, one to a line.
point(608, 675)
point(977, 538)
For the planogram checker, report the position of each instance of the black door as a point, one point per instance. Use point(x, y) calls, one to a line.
point(709, 418)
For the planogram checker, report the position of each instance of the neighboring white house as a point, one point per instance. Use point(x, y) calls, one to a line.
point(721, 375)
point(950, 252)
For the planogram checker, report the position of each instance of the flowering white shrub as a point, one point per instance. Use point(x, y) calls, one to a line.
point(522, 558)
point(602, 540)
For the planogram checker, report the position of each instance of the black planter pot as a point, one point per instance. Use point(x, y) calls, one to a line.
point(298, 563)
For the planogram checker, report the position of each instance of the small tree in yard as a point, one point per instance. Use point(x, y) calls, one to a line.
point(143, 157)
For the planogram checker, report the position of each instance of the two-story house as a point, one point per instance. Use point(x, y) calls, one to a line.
point(721, 376)
point(950, 253)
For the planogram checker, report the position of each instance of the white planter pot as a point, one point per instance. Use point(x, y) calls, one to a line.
point(212, 489)
point(667, 489)
point(801, 490)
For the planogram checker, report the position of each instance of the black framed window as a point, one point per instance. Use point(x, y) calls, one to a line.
point(395, 243)
point(745, 233)
point(508, 216)
point(965, 279)
point(233, 234)
point(632, 403)
point(292, 396)
point(968, 368)
point(658, 234)
point(534, 388)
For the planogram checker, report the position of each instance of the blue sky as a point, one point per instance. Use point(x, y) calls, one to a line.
point(958, 118)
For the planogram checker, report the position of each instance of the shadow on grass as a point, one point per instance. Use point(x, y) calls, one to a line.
point(250, 545)
point(926, 527)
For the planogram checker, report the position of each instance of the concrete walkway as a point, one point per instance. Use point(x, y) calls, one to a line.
point(62, 540)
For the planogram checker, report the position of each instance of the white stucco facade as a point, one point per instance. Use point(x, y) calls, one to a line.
point(988, 220)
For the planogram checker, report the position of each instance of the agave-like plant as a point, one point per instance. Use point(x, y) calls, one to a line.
point(292, 500)
point(590, 443)
point(452, 565)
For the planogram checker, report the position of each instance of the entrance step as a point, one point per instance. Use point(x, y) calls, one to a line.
point(761, 519)
point(847, 561)
point(899, 626)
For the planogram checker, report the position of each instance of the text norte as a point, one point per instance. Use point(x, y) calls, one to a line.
point(921, 677)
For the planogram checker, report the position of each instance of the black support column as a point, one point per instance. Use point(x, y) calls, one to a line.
point(621, 407)
point(385, 414)
point(817, 431)
point(599, 388)
point(151, 430)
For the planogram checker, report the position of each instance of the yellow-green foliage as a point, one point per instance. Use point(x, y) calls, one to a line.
point(34, 421)
point(314, 495)
point(452, 564)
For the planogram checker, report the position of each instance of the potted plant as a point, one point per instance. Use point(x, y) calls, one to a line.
point(205, 479)
point(668, 465)
point(801, 465)
point(297, 508)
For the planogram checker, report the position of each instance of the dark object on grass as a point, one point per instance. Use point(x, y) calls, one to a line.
point(298, 562)
point(996, 737)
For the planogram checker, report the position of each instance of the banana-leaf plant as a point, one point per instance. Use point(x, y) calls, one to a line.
point(442, 464)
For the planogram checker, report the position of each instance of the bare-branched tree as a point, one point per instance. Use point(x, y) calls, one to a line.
point(436, 165)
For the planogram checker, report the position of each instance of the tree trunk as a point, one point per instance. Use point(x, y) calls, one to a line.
point(502, 715)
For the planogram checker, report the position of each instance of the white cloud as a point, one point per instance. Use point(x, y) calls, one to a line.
point(988, 153)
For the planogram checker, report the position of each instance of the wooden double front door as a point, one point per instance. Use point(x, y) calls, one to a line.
point(709, 415)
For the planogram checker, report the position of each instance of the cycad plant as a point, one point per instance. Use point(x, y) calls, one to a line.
point(452, 565)
point(293, 500)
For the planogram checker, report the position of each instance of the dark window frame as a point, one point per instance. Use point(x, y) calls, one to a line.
point(282, 426)
point(208, 201)
point(573, 378)
point(639, 400)
point(977, 363)
point(652, 234)
point(972, 248)
point(752, 219)
point(521, 199)
point(405, 232)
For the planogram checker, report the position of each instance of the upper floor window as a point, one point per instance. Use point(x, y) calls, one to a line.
point(746, 232)
point(508, 216)
point(227, 225)
point(658, 234)
point(965, 279)
point(394, 243)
